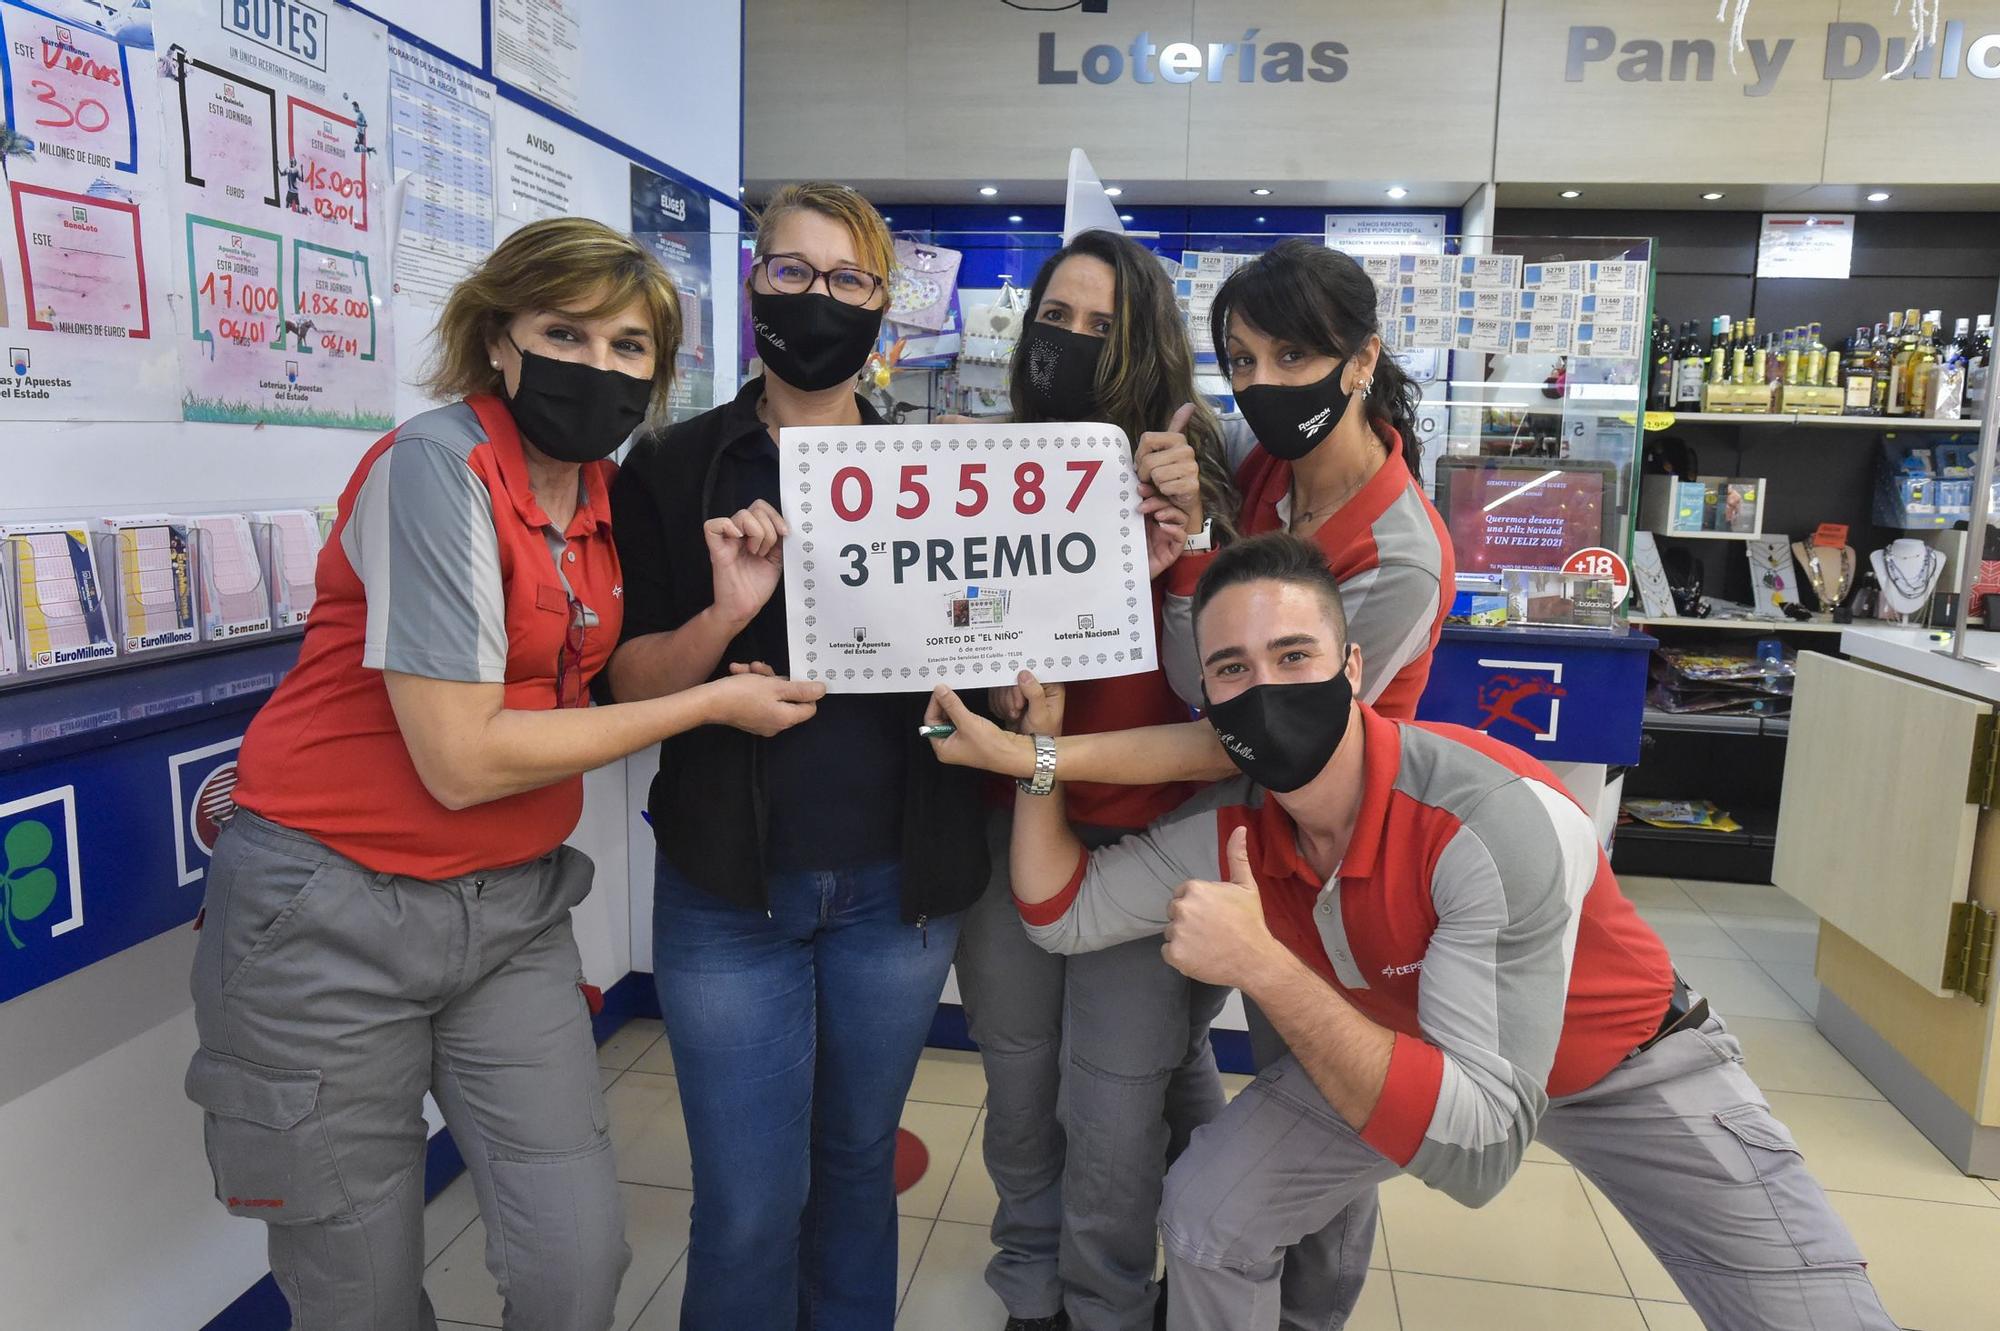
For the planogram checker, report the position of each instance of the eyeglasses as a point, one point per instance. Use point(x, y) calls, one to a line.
point(569, 660)
point(789, 275)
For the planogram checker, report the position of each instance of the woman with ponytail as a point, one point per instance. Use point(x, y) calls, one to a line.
point(1336, 457)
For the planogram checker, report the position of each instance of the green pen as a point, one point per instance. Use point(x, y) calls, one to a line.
point(937, 732)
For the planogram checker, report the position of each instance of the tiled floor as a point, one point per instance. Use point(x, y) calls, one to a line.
point(1551, 1251)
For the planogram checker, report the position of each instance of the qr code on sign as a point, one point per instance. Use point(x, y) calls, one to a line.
point(1086, 622)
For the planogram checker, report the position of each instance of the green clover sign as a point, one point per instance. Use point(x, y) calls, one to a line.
point(28, 887)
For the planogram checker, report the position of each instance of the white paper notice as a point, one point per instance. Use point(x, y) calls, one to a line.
point(442, 151)
point(1805, 245)
point(537, 168)
point(538, 49)
point(963, 554)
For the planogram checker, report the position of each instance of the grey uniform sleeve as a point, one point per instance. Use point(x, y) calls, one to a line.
point(421, 539)
point(1178, 656)
point(1391, 610)
point(1508, 890)
point(1125, 887)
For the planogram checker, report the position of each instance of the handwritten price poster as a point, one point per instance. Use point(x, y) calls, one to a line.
point(82, 258)
point(279, 201)
point(963, 555)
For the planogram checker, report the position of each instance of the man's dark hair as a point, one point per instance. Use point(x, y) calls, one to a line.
point(1277, 556)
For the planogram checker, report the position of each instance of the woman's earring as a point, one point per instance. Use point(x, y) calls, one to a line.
point(496, 364)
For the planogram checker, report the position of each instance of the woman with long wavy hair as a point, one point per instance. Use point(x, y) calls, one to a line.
point(1098, 1067)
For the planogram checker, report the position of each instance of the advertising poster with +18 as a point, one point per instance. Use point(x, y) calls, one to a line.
point(275, 116)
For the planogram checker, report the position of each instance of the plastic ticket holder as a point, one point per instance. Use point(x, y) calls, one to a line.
point(56, 617)
point(148, 569)
point(288, 545)
point(234, 602)
point(10, 642)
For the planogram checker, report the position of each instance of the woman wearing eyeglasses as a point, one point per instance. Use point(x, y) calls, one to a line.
point(388, 912)
point(809, 886)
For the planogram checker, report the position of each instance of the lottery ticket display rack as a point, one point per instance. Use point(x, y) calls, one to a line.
point(84, 596)
point(1530, 353)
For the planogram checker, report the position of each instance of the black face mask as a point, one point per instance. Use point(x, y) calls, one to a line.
point(1289, 420)
point(1283, 735)
point(812, 342)
point(575, 412)
point(1062, 373)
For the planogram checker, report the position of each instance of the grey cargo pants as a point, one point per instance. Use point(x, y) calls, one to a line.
point(1098, 1067)
point(328, 1000)
point(1679, 1138)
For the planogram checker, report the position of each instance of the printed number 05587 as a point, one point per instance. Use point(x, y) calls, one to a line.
point(854, 492)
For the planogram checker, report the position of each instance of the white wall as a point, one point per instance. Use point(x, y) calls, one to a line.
point(107, 1218)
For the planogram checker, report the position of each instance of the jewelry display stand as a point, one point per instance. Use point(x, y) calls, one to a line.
point(1908, 571)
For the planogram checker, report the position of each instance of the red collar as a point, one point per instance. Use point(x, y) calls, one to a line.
point(1274, 837)
point(504, 437)
point(1262, 493)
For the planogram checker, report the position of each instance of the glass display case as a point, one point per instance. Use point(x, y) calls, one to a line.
point(1530, 352)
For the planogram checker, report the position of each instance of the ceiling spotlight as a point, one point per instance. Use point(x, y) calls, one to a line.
point(1260, 191)
point(1014, 217)
point(1397, 192)
point(1572, 194)
point(1113, 190)
point(987, 191)
point(1879, 196)
point(1712, 195)
point(1124, 217)
point(1260, 221)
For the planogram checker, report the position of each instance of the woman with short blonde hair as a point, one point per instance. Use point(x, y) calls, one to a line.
point(388, 912)
point(808, 888)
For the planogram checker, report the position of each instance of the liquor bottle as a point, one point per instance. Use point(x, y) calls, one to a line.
point(1718, 351)
point(1739, 354)
point(1813, 367)
point(1789, 369)
point(1860, 399)
point(1958, 351)
point(1978, 367)
point(1880, 349)
point(1659, 384)
point(1774, 362)
point(1899, 367)
point(1923, 369)
point(1834, 373)
point(1691, 370)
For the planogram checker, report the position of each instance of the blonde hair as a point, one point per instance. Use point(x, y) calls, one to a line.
point(563, 263)
point(844, 204)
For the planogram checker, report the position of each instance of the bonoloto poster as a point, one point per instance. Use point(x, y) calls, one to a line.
point(275, 120)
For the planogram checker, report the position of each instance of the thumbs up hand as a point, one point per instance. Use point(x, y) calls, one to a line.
point(1216, 931)
point(1167, 467)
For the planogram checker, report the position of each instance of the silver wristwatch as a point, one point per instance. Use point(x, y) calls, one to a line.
point(1202, 540)
point(1044, 779)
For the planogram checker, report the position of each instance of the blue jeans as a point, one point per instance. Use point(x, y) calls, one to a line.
point(795, 1036)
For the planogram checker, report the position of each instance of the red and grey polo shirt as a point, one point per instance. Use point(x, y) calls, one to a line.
point(1474, 915)
point(1389, 550)
point(440, 564)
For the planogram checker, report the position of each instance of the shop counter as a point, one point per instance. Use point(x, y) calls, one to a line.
point(112, 788)
point(1571, 698)
point(1888, 831)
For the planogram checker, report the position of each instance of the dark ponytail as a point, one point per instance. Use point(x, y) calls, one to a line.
point(1322, 300)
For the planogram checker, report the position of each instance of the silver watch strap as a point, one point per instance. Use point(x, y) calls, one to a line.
point(1044, 779)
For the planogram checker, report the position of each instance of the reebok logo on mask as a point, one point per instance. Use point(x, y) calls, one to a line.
point(1308, 427)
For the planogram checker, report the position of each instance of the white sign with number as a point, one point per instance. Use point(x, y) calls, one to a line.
point(963, 554)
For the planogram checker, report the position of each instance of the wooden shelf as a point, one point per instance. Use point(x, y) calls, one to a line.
point(1740, 625)
point(1714, 724)
point(1886, 424)
point(1711, 535)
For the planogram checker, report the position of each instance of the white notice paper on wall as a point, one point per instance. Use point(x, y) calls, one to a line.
point(537, 47)
point(1805, 245)
point(923, 554)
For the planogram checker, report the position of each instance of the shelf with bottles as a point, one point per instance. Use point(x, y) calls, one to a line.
point(1884, 424)
point(1904, 373)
